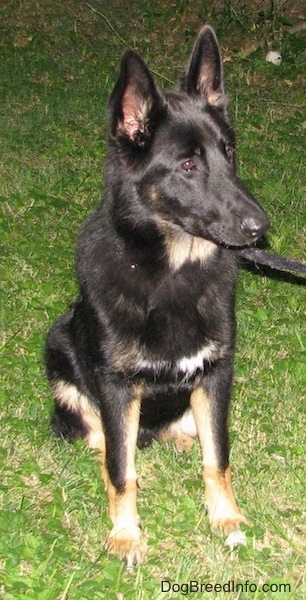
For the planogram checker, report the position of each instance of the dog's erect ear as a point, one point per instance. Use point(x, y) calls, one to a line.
point(135, 101)
point(204, 72)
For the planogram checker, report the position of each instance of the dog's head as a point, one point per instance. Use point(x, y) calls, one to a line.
point(178, 149)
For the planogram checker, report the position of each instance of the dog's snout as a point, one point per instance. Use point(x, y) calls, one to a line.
point(254, 228)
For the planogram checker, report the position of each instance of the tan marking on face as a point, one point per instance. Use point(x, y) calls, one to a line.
point(153, 194)
point(182, 247)
point(201, 249)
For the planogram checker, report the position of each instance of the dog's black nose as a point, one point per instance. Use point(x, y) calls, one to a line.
point(254, 228)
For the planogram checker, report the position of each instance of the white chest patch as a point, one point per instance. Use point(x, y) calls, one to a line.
point(191, 364)
point(187, 366)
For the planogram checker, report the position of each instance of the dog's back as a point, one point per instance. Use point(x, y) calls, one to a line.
point(147, 349)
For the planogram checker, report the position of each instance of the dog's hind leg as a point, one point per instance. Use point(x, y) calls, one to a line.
point(211, 422)
point(125, 538)
point(76, 417)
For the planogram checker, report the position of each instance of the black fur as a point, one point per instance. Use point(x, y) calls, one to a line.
point(154, 262)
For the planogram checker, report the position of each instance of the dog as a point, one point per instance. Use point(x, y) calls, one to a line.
point(146, 351)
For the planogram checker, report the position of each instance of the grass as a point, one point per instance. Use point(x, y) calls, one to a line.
point(59, 63)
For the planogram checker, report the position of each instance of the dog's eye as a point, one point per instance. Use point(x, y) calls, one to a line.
point(188, 165)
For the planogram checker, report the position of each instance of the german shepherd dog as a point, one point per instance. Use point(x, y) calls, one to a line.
point(146, 351)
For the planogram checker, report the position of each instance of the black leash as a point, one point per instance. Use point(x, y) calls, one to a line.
point(274, 261)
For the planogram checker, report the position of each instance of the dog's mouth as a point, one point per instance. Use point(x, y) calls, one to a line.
point(249, 232)
point(236, 231)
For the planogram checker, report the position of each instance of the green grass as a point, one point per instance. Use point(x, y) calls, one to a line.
point(58, 65)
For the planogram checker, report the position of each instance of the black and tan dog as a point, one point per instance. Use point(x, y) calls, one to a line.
point(147, 350)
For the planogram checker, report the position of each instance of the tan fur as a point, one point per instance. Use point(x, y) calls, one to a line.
point(125, 538)
point(69, 396)
point(183, 431)
point(182, 247)
point(223, 511)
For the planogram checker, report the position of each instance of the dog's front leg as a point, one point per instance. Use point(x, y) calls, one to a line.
point(211, 414)
point(121, 432)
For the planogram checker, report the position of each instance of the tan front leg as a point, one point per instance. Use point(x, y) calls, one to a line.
point(125, 539)
point(223, 512)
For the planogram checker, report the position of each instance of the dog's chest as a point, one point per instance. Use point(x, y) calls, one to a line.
point(182, 330)
point(185, 303)
point(173, 321)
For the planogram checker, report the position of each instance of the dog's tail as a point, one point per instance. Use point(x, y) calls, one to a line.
point(274, 261)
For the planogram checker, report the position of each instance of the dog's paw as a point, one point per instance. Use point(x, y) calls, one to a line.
point(184, 443)
point(127, 544)
point(235, 538)
point(230, 527)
